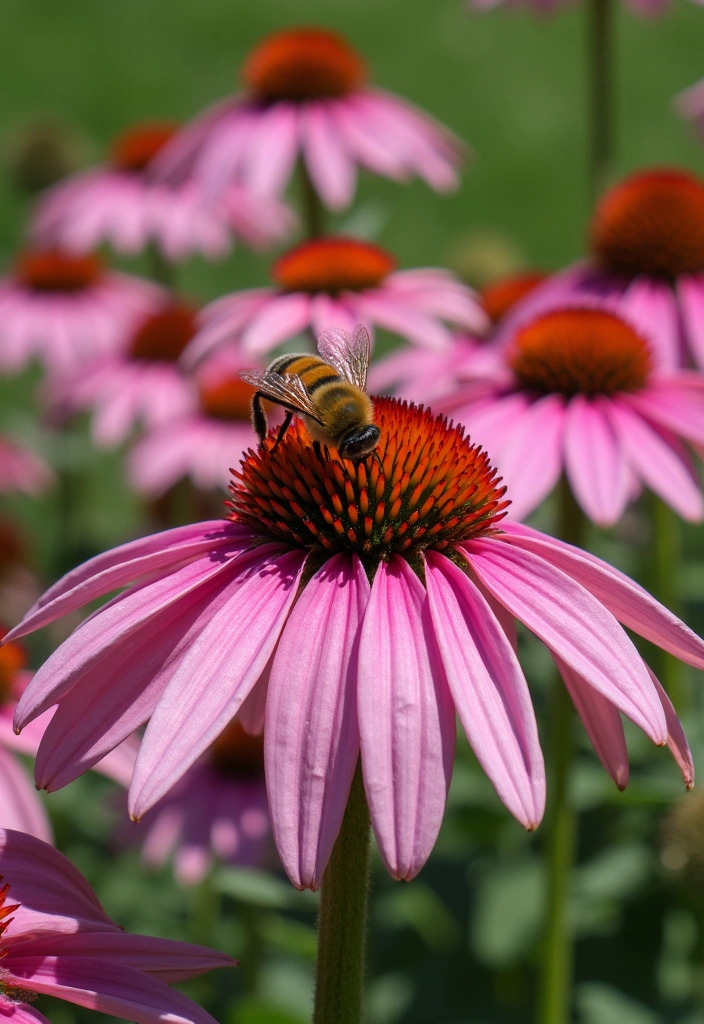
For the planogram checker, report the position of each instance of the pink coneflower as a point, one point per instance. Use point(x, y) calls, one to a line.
point(141, 382)
point(421, 376)
point(20, 806)
point(63, 309)
point(218, 810)
point(305, 95)
point(340, 281)
point(21, 469)
point(646, 241)
point(202, 445)
point(121, 203)
point(368, 602)
point(584, 381)
point(56, 940)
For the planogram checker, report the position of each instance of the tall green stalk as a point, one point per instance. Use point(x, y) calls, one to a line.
point(667, 529)
point(343, 917)
point(601, 106)
point(555, 974)
point(313, 210)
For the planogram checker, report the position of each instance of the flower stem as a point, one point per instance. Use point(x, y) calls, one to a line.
point(668, 560)
point(600, 47)
point(555, 982)
point(343, 917)
point(160, 269)
point(313, 210)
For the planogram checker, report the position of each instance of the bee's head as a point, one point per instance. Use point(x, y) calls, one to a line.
point(359, 442)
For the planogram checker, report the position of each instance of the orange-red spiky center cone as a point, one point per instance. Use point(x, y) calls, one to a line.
point(333, 265)
point(6, 910)
point(135, 148)
point(13, 659)
point(303, 64)
point(227, 399)
point(653, 224)
point(500, 296)
point(161, 337)
point(580, 351)
point(238, 755)
point(427, 487)
point(48, 270)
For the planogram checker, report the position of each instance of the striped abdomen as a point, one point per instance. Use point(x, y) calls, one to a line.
point(312, 370)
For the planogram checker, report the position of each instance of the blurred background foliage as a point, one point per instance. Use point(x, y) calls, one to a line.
point(459, 945)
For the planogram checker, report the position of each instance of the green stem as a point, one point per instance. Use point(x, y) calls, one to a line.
point(555, 982)
point(313, 210)
point(600, 53)
point(668, 560)
point(160, 269)
point(343, 917)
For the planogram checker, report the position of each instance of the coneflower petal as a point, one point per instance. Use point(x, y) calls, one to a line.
point(595, 461)
point(406, 720)
point(312, 731)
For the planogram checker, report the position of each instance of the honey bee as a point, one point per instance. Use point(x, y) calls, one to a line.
point(326, 391)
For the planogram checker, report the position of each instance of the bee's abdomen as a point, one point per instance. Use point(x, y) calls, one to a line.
point(313, 371)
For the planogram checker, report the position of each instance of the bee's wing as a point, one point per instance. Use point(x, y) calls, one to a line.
point(347, 353)
point(285, 388)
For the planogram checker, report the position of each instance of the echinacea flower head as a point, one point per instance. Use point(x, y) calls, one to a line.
point(217, 811)
point(199, 444)
point(578, 389)
point(306, 95)
point(141, 382)
point(20, 805)
point(362, 604)
point(119, 202)
point(421, 375)
point(646, 244)
point(56, 940)
point(343, 281)
point(62, 309)
point(22, 469)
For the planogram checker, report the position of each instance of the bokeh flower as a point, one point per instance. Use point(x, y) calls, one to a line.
point(22, 469)
point(646, 241)
point(305, 96)
point(63, 309)
point(217, 811)
point(421, 376)
point(367, 603)
point(201, 444)
point(121, 203)
point(578, 389)
point(140, 382)
point(56, 940)
point(20, 805)
point(341, 281)
point(689, 104)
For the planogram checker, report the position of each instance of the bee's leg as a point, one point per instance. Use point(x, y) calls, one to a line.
point(259, 416)
point(375, 454)
point(282, 430)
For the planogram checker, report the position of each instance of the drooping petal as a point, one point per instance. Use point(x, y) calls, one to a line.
point(107, 988)
point(661, 465)
point(330, 166)
point(161, 552)
point(573, 624)
point(630, 603)
point(594, 461)
point(601, 721)
point(530, 469)
point(489, 689)
point(676, 739)
point(213, 679)
point(20, 1013)
point(406, 720)
point(21, 807)
point(676, 407)
point(312, 733)
point(281, 319)
point(167, 959)
point(690, 290)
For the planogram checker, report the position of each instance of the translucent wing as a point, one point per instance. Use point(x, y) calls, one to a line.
point(285, 388)
point(347, 353)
